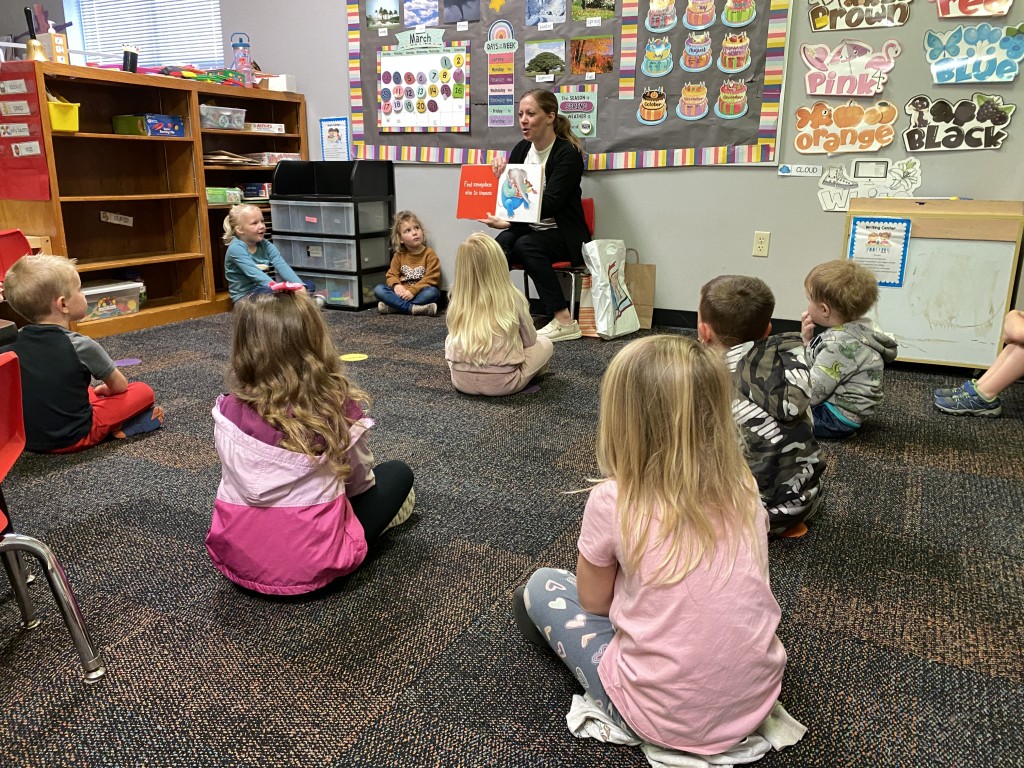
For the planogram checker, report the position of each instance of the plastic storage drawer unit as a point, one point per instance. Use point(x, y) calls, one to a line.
point(313, 253)
point(314, 218)
point(342, 290)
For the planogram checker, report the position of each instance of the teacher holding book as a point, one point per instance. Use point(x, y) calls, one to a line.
point(562, 229)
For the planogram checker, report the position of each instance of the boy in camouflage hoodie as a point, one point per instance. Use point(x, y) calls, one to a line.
point(772, 400)
point(847, 359)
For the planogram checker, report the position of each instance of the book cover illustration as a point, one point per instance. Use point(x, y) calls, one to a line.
point(520, 190)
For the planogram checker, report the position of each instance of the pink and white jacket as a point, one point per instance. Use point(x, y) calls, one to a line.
point(282, 522)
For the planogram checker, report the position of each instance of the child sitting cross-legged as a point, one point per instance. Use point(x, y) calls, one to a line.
point(669, 623)
point(251, 262)
point(772, 403)
point(300, 500)
point(848, 359)
point(63, 413)
point(410, 286)
point(492, 347)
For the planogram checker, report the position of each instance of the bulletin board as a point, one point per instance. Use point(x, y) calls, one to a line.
point(960, 269)
point(617, 66)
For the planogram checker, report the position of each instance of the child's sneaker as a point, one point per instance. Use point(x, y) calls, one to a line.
point(965, 400)
point(948, 391)
point(386, 309)
point(430, 310)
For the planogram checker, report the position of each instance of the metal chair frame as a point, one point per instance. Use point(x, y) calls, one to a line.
point(566, 267)
point(13, 545)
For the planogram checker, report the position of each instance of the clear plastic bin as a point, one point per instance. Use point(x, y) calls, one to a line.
point(375, 252)
point(312, 253)
point(306, 217)
point(111, 299)
point(341, 290)
point(224, 118)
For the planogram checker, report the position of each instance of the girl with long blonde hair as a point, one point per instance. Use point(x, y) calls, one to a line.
point(669, 622)
point(492, 347)
point(299, 498)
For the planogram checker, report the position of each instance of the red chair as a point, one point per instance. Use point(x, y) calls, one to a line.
point(12, 441)
point(566, 267)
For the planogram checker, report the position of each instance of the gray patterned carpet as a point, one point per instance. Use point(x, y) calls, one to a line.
point(901, 609)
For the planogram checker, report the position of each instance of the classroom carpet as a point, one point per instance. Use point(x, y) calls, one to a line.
point(901, 607)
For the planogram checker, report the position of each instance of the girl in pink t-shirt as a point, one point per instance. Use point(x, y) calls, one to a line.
point(669, 623)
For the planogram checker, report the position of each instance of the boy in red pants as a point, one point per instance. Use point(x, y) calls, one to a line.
point(63, 413)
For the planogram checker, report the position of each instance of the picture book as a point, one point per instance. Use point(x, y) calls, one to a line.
point(516, 196)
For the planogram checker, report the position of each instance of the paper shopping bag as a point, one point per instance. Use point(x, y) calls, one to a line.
point(614, 315)
point(586, 319)
point(640, 282)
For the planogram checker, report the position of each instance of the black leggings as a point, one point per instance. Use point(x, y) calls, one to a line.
point(536, 250)
point(378, 506)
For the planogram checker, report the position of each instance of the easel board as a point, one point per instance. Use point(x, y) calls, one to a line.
point(959, 277)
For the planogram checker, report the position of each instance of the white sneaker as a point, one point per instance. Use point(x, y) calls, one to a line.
point(550, 327)
point(563, 332)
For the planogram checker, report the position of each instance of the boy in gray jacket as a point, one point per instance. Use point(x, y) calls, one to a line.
point(847, 359)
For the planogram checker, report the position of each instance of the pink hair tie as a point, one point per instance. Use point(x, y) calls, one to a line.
point(286, 287)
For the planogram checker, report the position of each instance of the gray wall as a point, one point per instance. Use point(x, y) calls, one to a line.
point(694, 223)
point(12, 17)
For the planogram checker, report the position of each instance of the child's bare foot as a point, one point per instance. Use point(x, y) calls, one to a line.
point(147, 421)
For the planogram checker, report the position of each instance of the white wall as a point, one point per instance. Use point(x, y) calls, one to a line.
point(694, 223)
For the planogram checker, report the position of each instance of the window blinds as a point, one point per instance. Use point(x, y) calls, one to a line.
point(176, 32)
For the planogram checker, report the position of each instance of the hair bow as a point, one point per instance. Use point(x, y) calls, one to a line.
point(286, 287)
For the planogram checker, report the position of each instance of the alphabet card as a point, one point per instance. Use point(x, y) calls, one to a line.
point(852, 68)
point(976, 54)
point(979, 122)
point(823, 129)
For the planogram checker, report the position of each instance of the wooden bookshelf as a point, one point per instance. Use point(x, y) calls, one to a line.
point(152, 186)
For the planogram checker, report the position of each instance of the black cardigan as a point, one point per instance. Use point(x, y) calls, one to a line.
point(562, 194)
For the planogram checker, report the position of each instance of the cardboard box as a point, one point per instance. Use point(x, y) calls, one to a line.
point(111, 299)
point(223, 195)
point(149, 125)
point(265, 127)
point(256, 191)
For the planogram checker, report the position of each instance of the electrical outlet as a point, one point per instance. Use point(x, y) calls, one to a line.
point(761, 240)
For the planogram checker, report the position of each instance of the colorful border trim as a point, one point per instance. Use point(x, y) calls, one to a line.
point(627, 49)
point(764, 151)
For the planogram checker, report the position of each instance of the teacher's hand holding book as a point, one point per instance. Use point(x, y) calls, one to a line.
point(495, 223)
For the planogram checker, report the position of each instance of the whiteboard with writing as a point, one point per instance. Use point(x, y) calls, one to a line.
point(950, 309)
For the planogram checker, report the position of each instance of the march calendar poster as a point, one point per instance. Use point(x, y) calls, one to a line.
point(423, 84)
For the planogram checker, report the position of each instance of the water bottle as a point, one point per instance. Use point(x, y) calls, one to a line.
point(242, 62)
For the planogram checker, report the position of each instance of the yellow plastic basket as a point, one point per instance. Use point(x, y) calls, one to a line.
point(63, 116)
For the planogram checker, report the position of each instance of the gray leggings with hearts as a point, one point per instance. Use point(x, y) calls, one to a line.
point(579, 638)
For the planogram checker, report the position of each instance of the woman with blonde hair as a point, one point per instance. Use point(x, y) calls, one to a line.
point(492, 347)
point(669, 622)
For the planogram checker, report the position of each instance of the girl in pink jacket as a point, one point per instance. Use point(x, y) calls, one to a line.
point(299, 497)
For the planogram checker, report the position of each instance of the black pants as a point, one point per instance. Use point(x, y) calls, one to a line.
point(536, 250)
point(378, 506)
